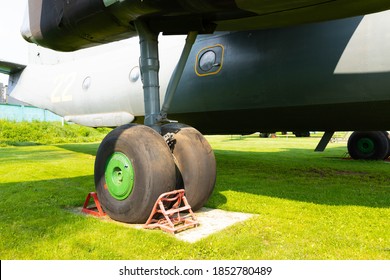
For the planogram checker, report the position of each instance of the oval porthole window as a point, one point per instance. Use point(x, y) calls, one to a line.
point(207, 60)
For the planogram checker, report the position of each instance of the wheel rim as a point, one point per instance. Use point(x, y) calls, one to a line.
point(366, 145)
point(119, 175)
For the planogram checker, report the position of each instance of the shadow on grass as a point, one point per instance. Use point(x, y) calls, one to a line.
point(35, 211)
point(34, 153)
point(36, 207)
point(294, 174)
point(297, 175)
point(89, 148)
point(38, 221)
point(64, 192)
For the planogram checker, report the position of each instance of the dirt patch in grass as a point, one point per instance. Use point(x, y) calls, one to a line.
point(330, 172)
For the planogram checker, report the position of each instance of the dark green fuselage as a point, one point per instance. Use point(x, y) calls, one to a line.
point(288, 79)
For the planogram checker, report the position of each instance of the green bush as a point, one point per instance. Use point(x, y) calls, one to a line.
point(38, 133)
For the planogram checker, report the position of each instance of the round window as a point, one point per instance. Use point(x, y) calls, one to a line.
point(207, 60)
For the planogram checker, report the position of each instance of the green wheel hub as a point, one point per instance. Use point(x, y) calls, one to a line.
point(119, 175)
point(366, 145)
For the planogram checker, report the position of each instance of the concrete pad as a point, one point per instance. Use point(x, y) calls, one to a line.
point(210, 221)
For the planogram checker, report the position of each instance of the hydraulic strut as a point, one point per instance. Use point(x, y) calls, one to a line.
point(150, 66)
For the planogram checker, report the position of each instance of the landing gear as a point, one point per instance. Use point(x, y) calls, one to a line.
point(195, 162)
point(264, 135)
point(133, 167)
point(134, 164)
point(302, 133)
point(369, 145)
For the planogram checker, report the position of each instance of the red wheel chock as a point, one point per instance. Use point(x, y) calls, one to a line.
point(95, 209)
point(172, 213)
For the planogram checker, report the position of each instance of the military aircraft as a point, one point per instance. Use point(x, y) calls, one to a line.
point(246, 66)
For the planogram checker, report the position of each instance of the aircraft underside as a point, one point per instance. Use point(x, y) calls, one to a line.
point(339, 117)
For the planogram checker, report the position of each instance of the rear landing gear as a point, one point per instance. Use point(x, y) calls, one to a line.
point(369, 145)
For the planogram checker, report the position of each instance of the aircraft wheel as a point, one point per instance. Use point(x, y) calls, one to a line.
point(133, 167)
point(370, 145)
point(195, 163)
point(302, 133)
point(388, 139)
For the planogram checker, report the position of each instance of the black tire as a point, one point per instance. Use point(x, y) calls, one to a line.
point(388, 139)
point(302, 133)
point(152, 167)
point(368, 145)
point(195, 163)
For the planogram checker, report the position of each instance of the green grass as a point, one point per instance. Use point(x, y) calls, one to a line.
point(308, 205)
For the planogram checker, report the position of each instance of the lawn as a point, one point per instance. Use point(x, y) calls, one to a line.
point(308, 205)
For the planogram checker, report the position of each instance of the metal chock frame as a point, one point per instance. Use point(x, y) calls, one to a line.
point(172, 213)
point(96, 209)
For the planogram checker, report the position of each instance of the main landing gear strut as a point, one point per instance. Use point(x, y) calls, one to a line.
point(135, 164)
